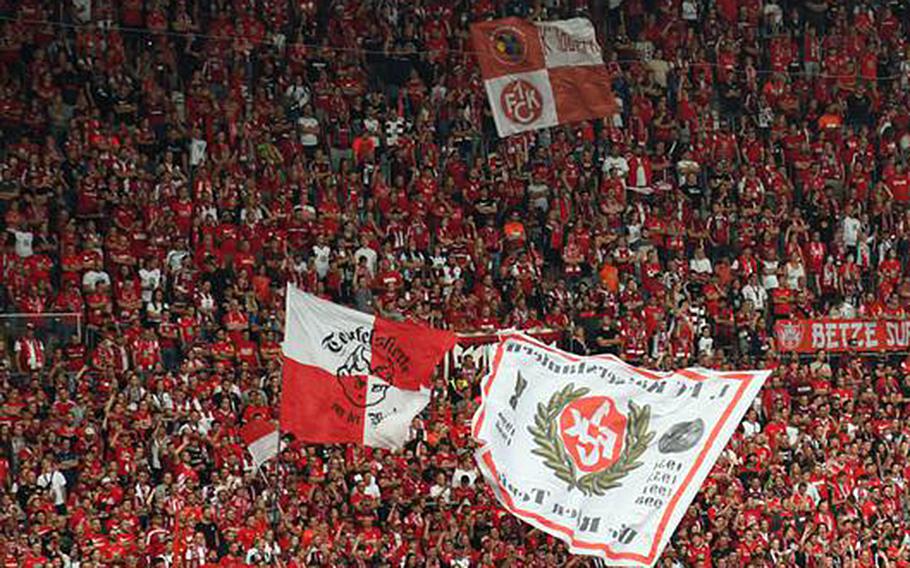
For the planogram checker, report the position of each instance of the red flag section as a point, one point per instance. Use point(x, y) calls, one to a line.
point(261, 439)
point(350, 377)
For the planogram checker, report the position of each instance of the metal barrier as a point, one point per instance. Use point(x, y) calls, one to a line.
point(482, 346)
point(53, 328)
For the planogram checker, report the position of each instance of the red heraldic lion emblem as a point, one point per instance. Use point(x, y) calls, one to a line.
point(592, 431)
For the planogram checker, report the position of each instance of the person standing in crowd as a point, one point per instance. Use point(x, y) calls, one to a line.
point(168, 167)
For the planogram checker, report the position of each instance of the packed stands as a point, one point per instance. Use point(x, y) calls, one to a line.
point(167, 166)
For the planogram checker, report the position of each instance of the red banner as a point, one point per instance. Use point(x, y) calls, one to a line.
point(842, 335)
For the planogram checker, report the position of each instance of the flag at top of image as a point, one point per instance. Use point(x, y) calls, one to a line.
point(351, 377)
point(540, 74)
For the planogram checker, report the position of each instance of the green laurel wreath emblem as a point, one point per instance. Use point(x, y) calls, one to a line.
point(556, 457)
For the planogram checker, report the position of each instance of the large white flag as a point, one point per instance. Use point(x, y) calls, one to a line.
point(598, 453)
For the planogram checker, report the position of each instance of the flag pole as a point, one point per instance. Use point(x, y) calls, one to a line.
point(275, 484)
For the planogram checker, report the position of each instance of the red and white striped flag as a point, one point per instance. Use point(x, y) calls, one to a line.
point(351, 377)
point(261, 439)
point(540, 74)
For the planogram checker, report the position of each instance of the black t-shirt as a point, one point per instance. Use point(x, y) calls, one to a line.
point(730, 97)
point(606, 334)
point(692, 190)
point(858, 107)
point(576, 346)
point(70, 82)
point(25, 493)
point(210, 531)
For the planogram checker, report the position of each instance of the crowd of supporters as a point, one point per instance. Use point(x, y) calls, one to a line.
point(167, 166)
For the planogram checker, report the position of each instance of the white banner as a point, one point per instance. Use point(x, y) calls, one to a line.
point(598, 453)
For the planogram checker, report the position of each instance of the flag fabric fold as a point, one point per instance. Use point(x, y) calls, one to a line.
point(351, 377)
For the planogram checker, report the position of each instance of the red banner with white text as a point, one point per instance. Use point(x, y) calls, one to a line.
point(842, 335)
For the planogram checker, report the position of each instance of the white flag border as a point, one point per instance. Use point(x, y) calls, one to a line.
point(751, 383)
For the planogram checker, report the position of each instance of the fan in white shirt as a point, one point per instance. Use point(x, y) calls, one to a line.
point(755, 293)
point(616, 162)
point(851, 226)
point(751, 425)
point(701, 265)
point(53, 482)
point(321, 255)
point(23, 246)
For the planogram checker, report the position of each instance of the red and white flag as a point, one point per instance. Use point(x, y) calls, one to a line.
point(599, 453)
point(351, 377)
point(540, 74)
point(261, 440)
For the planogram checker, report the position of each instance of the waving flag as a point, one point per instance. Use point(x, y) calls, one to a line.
point(598, 453)
point(351, 377)
point(261, 440)
point(540, 74)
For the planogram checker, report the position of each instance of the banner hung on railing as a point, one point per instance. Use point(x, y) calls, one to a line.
point(842, 335)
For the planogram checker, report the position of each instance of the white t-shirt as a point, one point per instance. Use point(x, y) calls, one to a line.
point(150, 280)
point(700, 266)
point(750, 428)
point(852, 226)
point(757, 295)
point(440, 492)
point(174, 259)
point(56, 484)
point(459, 473)
point(370, 255)
point(769, 279)
point(24, 243)
point(846, 310)
point(706, 345)
point(794, 273)
point(300, 94)
point(372, 127)
point(616, 163)
point(689, 10)
point(309, 138)
point(82, 10)
point(322, 254)
point(92, 278)
point(372, 489)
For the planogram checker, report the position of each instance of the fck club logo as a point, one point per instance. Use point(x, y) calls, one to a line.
point(789, 335)
point(521, 102)
point(592, 430)
point(587, 442)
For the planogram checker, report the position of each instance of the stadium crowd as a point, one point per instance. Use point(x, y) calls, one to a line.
point(167, 166)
